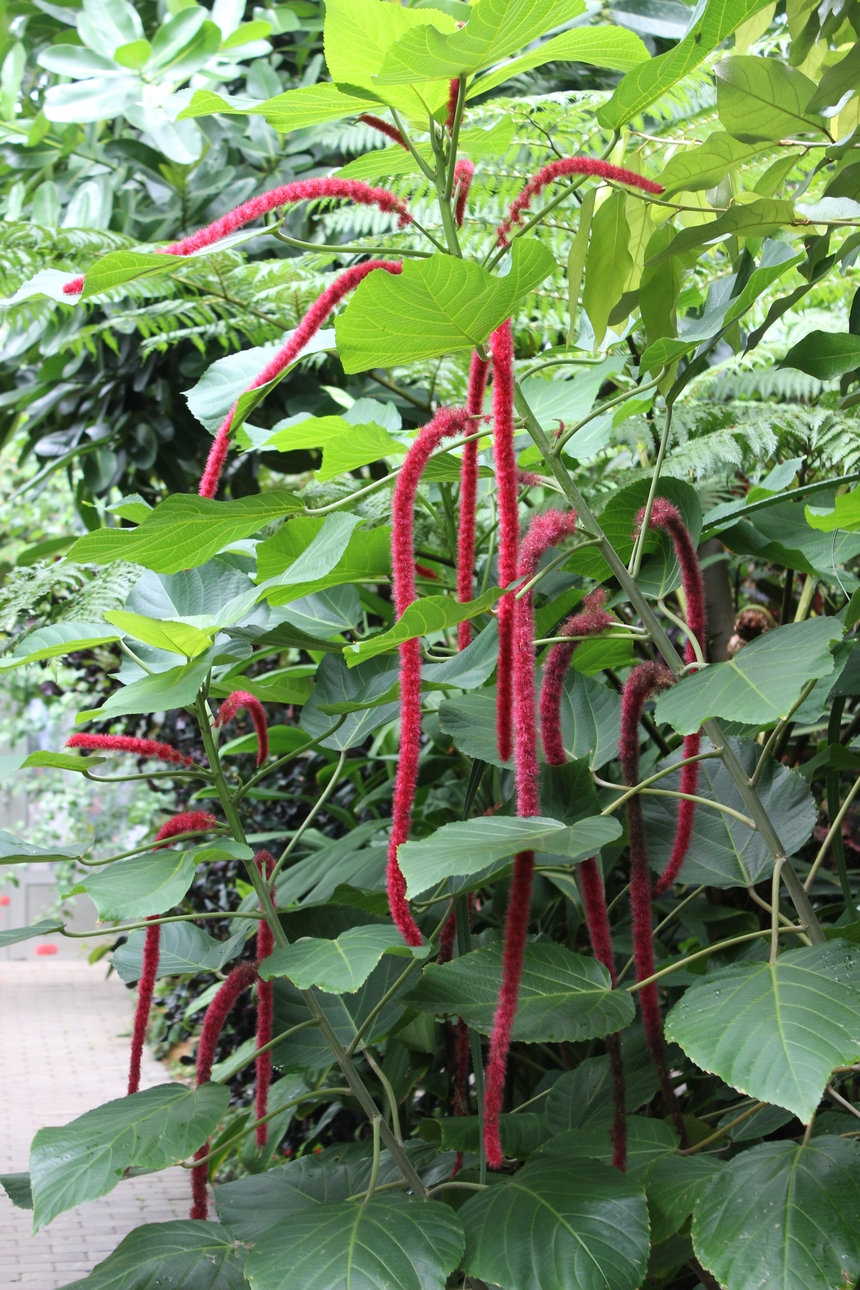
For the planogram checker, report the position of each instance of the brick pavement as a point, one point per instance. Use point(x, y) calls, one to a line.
point(64, 1049)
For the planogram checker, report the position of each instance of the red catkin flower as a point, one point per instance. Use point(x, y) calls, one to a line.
point(645, 680)
point(242, 699)
point(302, 190)
point(307, 328)
point(591, 620)
point(666, 516)
point(265, 862)
point(384, 127)
point(469, 496)
point(46, 949)
point(186, 822)
point(446, 423)
point(145, 990)
point(128, 744)
point(547, 530)
point(219, 1009)
point(502, 350)
point(464, 173)
point(453, 97)
point(557, 170)
point(424, 572)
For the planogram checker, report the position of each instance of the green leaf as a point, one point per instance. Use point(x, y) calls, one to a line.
point(367, 558)
point(363, 688)
point(824, 354)
point(429, 614)
point(582, 1098)
point(226, 381)
point(147, 884)
point(760, 685)
point(195, 1255)
point(845, 514)
point(647, 1140)
point(782, 535)
point(360, 446)
point(184, 531)
point(784, 1216)
point(521, 1133)
point(763, 98)
point(468, 847)
point(496, 28)
point(399, 1242)
point(294, 110)
point(308, 1050)
point(704, 165)
point(178, 638)
point(86, 1158)
point(322, 554)
point(612, 47)
point(775, 1031)
point(470, 720)
point(550, 1225)
point(15, 851)
point(590, 714)
point(175, 688)
point(17, 1188)
point(761, 218)
point(724, 852)
point(12, 935)
point(673, 1184)
point(183, 948)
point(836, 81)
point(649, 81)
point(57, 640)
point(435, 306)
point(119, 267)
point(608, 264)
point(349, 860)
point(339, 966)
point(562, 995)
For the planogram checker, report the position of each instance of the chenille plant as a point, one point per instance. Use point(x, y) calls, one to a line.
point(551, 977)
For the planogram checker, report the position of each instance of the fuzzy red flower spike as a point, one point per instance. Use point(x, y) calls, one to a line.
point(502, 350)
point(469, 497)
point(265, 862)
point(235, 702)
point(128, 744)
point(558, 170)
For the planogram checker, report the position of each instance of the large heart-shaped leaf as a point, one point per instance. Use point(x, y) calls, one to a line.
point(366, 693)
point(344, 1013)
point(470, 846)
point(647, 1140)
point(56, 640)
point(724, 852)
point(87, 1157)
point(184, 531)
point(763, 98)
point(760, 685)
point(602, 46)
point(183, 948)
point(435, 306)
point(550, 1225)
point(673, 1184)
point(775, 1031)
point(16, 851)
point(583, 1097)
point(195, 1255)
point(339, 966)
point(562, 995)
point(784, 1216)
point(147, 884)
point(398, 1242)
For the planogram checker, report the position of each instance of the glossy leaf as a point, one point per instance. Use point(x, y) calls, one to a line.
point(760, 684)
point(178, 638)
point(16, 851)
point(426, 615)
point(436, 306)
point(784, 1215)
point(583, 1229)
point(763, 98)
point(367, 558)
point(583, 1097)
point(195, 1255)
point(339, 966)
point(562, 995)
point(612, 47)
point(775, 1032)
point(227, 379)
point(468, 847)
point(648, 1140)
point(87, 1157)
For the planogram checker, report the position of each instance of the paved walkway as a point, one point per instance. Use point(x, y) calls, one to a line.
point(64, 1037)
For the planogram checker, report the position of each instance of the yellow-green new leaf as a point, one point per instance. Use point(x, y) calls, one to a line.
point(178, 638)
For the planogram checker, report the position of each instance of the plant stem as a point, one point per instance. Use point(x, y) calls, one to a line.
point(374, 1168)
point(711, 949)
point(639, 545)
point(835, 827)
point(627, 793)
point(311, 815)
point(834, 730)
point(721, 1133)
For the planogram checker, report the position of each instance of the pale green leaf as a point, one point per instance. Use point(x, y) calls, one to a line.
point(764, 99)
point(149, 884)
point(57, 640)
point(613, 47)
point(339, 966)
point(12, 935)
point(608, 263)
point(426, 615)
point(178, 638)
point(705, 164)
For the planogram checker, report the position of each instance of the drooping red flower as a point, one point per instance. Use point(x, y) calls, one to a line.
point(446, 423)
point(453, 96)
point(464, 173)
point(469, 497)
point(242, 699)
point(239, 979)
point(502, 350)
point(145, 990)
point(558, 170)
point(265, 862)
point(666, 516)
point(645, 680)
point(186, 822)
point(307, 328)
point(546, 531)
point(129, 744)
point(590, 620)
point(46, 949)
point(384, 127)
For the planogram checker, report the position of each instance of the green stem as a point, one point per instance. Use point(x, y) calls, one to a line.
point(285, 760)
point(639, 546)
point(152, 922)
point(834, 730)
point(311, 815)
point(455, 139)
point(605, 406)
point(711, 949)
point(319, 1096)
point(273, 1043)
point(374, 1168)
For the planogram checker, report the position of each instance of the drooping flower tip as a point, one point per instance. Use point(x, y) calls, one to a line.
point(558, 170)
point(186, 822)
point(46, 949)
point(242, 699)
point(453, 96)
point(384, 127)
point(74, 287)
point(129, 744)
point(464, 173)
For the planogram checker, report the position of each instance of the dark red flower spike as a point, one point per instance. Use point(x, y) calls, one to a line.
point(547, 530)
point(265, 862)
point(464, 173)
point(446, 423)
point(666, 516)
point(242, 699)
point(186, 822)
point(128, 744)
point(241, 978)
point(502, 351)
point(307, 328)
point(558, 170)
point(469, 497)
point(384, 127)
point(645, 680)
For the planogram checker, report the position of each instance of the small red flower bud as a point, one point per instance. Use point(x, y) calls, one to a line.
point(242, 699)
